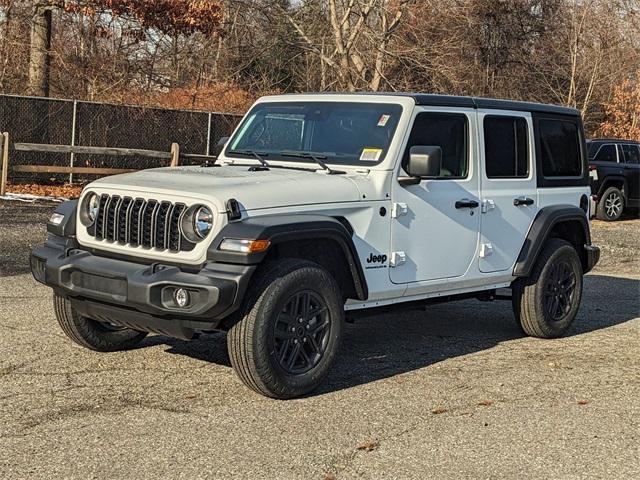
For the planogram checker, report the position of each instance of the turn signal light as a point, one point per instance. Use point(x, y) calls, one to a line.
point(244, 246)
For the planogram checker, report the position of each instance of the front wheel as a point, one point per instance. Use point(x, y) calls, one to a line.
point(290, 331)
point(547, 302)
point(91, 334)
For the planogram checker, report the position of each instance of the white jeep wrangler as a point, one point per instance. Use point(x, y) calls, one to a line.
point(321, 208)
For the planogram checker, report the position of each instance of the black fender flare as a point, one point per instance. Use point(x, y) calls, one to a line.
point(546, 219)
point(606, 183)
point(284, 228)
point(66, 228)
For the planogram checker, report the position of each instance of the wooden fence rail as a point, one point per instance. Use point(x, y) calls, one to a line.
point(174, 156)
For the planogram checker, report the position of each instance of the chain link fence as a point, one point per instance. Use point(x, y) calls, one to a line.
point(79, 123)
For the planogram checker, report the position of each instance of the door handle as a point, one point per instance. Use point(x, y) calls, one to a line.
point(522, 201)
point(466, 203)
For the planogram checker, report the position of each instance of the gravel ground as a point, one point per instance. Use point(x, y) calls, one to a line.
point(453, 392)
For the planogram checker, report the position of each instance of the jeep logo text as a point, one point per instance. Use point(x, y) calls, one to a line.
point(376, 258)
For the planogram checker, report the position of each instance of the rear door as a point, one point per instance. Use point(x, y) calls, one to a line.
point(508, 186)
point(632, 169)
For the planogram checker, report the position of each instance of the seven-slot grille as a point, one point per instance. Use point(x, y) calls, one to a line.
point(136, 222)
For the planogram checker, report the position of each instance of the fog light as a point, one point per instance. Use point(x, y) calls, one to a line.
point(181, 296)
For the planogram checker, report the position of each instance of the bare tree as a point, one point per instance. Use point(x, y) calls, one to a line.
point(40, 48)
point(359, 36)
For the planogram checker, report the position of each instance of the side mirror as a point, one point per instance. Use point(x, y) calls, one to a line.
point(217, 150)
point(424, 162)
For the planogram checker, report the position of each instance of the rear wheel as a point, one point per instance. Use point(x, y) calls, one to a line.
point(611, 205)
point(547, 302)
point(289, 334)
point(94, 335)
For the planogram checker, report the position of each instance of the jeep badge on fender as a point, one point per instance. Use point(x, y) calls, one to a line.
point(276, 245)
point(376, 258)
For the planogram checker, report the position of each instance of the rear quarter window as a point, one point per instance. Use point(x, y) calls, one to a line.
point(560, 148)
point(607, 153)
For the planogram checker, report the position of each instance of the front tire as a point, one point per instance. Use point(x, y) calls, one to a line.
point(611, 205)
point(547, 302)
point(290, 330)
point(91, 334)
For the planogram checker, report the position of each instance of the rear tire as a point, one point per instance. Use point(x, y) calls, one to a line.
point(290, 330)
point(611, 205)
point(547, 302)
point(91, 334)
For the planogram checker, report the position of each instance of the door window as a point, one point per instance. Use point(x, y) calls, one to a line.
point(505, 146)
point(607, 153)
point(447, 131)
point(631, 153)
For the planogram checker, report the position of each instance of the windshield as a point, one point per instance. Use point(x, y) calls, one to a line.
point(338, 132)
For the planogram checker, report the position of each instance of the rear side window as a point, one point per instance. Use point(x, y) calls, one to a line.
point(560, 148)
point(606, 153)
point(631, 153)
point(447, 131)
point(505, 146)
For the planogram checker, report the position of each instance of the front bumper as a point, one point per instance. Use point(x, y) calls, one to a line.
point(138, 295)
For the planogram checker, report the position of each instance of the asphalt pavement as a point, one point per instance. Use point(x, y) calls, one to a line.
point(455, 391)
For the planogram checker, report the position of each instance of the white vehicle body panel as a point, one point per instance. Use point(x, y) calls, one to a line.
point(441, 244)
point(503, 224)
point(439, 240)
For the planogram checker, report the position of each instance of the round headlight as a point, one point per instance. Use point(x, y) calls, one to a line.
point(92, 206)
point(203, 221)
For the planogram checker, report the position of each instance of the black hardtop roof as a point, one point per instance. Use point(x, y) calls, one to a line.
point(491, 103)
point(612, 140)
point(436, 100)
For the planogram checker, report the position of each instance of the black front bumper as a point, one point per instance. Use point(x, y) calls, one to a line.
point(137, 295)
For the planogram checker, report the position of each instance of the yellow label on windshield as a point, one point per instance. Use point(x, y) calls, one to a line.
point(371, 154)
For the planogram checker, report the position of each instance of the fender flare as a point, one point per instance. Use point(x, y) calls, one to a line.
point(541, 228)
point(67, 227)
point(284, 228)
point(606, 183)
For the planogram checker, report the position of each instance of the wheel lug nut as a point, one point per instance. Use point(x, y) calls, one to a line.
point(304, 339)
point(293, 329)
point(295, 341)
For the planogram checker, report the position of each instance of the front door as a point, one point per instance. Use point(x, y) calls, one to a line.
point(434, 233)
point(509, 195)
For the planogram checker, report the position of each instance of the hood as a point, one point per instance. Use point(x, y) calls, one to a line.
point(254, 190)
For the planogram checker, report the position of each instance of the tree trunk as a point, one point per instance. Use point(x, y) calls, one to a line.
point(40, 51)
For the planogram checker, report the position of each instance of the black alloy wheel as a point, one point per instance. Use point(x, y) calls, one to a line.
point(301, 332)
point(290, 328)
point(560, 290)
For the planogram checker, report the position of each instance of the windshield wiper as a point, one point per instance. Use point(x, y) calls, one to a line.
point(254, 154)
point(319, 159)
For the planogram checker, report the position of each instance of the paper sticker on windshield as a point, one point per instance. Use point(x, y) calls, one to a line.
point(371, 154)
point(383, 120)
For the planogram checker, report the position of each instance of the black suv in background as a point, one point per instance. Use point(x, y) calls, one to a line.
point(614, 167)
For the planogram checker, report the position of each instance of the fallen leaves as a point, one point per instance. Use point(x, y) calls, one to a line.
point(439, 410)
point(485, 403)
point(582, 402)
point(66, 190)
point(368, 446)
